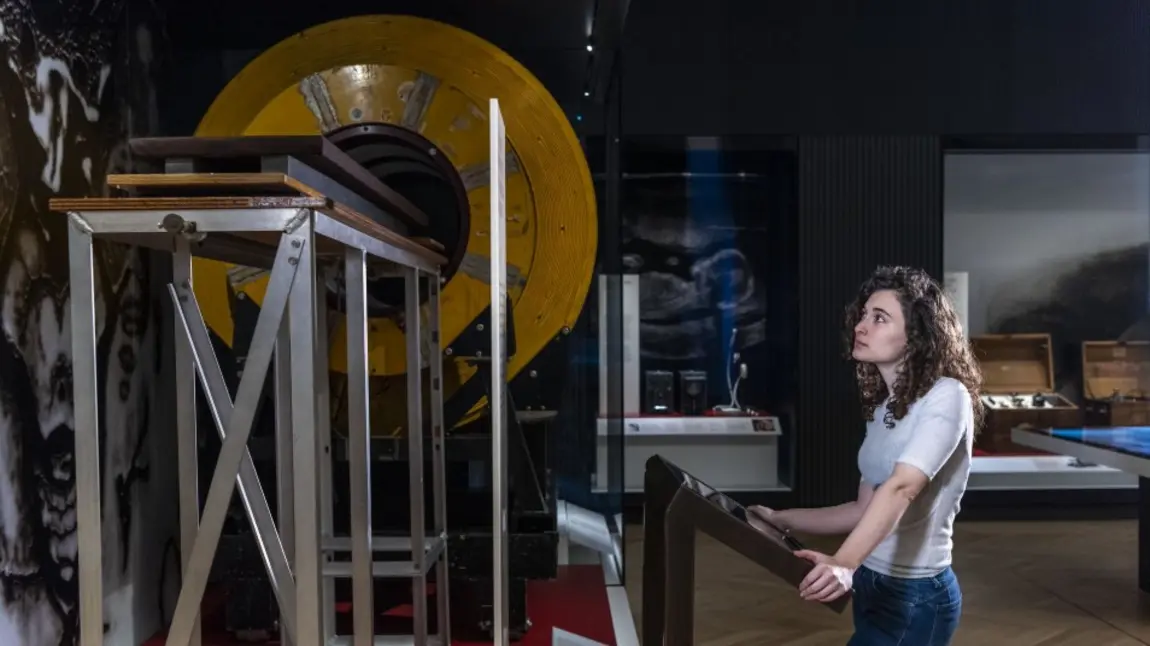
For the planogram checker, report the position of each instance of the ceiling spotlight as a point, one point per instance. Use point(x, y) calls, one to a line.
point(590, 48)
point(586, 93)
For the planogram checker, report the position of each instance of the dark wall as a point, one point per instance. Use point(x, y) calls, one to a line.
point(825, 67)
point(746, 67)
point(864, 201)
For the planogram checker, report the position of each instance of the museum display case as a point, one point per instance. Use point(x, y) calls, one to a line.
point(1018, 388)
point(1116, 383)
point(707, 327)
point(1046, 258)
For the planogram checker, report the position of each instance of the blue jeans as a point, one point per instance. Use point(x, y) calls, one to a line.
point(889, 611)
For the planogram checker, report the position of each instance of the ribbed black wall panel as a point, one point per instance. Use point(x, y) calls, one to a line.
point(864, 201)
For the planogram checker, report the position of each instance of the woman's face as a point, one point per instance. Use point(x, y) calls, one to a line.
point(880, 336)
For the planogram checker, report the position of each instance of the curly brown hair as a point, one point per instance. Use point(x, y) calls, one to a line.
point(935, 345)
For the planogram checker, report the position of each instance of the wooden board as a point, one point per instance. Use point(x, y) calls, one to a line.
point(315, 151)
point(66, 204)
point(231, 147)
point(159, 183)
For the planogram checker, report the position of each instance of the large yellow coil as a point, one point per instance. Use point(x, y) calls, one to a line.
point(370, 69)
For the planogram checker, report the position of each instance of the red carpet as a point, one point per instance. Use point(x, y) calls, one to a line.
point(575, 602)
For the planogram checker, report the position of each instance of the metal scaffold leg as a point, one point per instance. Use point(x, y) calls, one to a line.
point(298, 553)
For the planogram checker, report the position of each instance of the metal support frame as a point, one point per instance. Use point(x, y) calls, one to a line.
point(292, 328)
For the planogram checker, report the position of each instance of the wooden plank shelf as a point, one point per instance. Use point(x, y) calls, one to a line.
point(313, 160)
point(173, 184)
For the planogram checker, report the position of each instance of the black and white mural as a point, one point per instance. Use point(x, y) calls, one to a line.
point(73, 84)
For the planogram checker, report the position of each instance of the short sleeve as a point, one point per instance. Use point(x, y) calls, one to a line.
point(939, 428)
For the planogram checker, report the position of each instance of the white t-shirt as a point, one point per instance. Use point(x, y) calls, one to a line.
point(937, 437)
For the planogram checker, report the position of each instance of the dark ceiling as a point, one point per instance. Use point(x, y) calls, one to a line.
point(746, 67)
point(549, 38)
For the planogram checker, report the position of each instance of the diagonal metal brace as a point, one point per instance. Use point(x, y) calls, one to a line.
point(251, 492)
point(239, 426)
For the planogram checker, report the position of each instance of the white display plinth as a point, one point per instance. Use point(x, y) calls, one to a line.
point(728, 453)
point(1043, 472)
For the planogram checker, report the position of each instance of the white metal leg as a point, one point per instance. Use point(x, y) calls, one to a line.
point(324, 453)
point(87, 460)
point(186, 433)
point(438, 460)
point(285, 492)
point(415, 451)
point(305, 455)
point(359, 436)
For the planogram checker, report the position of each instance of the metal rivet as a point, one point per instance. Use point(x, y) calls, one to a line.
point(296, 243)
point(479, 327)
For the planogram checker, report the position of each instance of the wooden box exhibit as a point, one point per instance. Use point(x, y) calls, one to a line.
point(1115, 380)
point(1018, 388)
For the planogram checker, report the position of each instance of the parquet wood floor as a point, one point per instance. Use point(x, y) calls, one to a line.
point(1024, 584)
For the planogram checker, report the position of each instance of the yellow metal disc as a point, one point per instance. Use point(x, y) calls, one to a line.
point(435, 80)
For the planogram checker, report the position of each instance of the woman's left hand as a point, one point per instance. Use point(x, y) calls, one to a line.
point(828, 581)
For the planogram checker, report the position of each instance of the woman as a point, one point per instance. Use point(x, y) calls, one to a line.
point(919, 386)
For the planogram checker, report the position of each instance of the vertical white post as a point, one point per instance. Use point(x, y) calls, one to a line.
point(499, 314)
point(87, 431)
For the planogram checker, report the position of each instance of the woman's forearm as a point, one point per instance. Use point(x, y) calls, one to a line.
point(890, 502)
point(840, 519)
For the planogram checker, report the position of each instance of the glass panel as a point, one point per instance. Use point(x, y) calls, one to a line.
point(1046, 257)
point(707, 252)
point(589, 439)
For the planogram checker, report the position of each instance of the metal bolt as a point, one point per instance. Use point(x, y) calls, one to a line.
point(293, 261)
point(242, 296)
point(296, 243)
point(566, 330)
point(534, 374)
point(449, 352)
point(479, 327)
